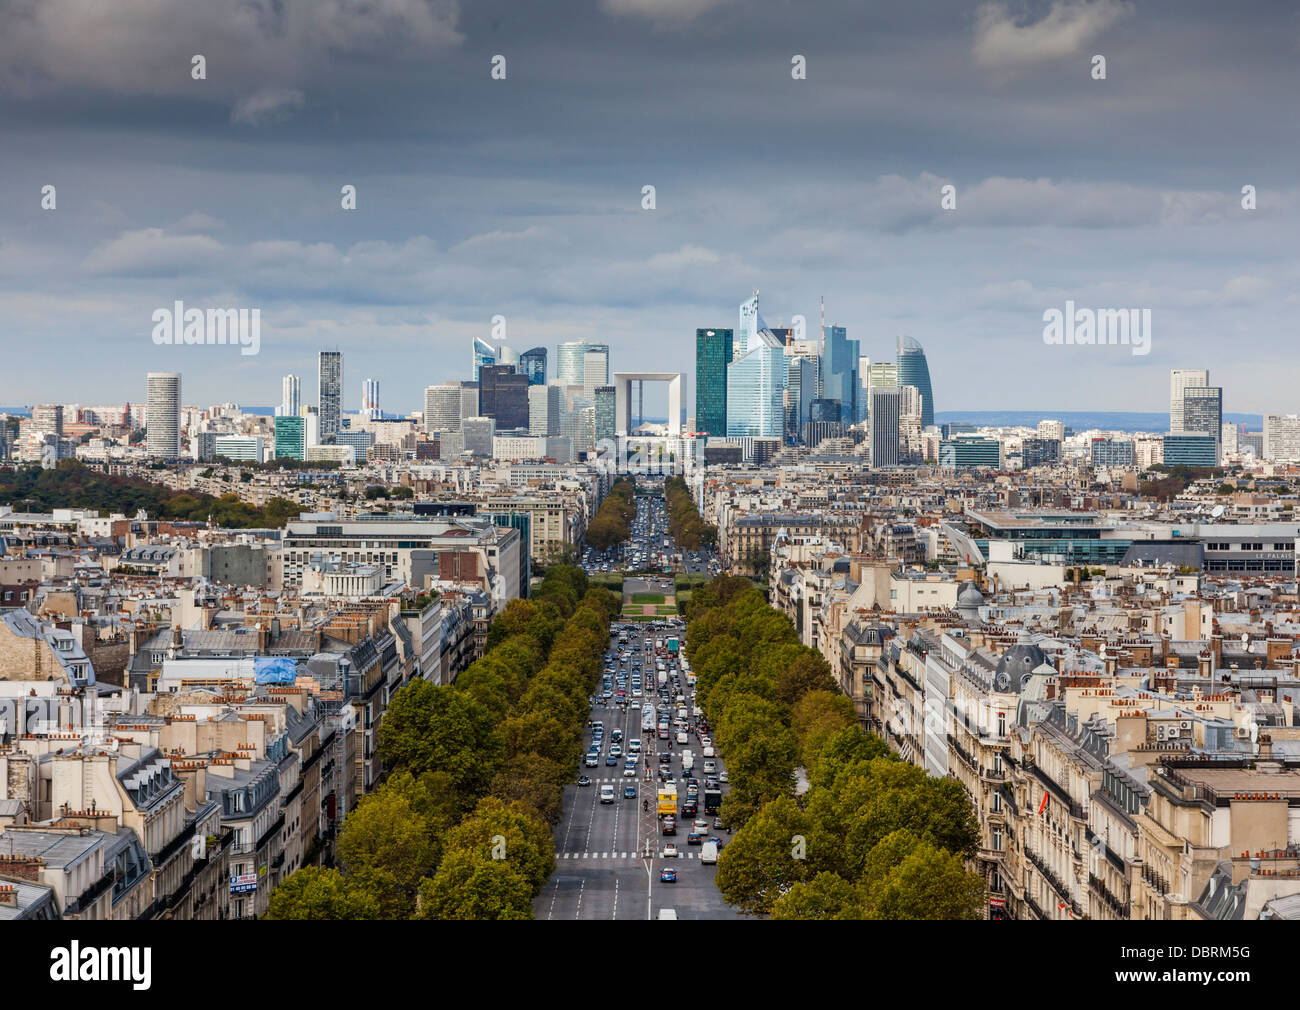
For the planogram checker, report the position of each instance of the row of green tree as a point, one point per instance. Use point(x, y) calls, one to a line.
point(612, 522)
point(872, 837)
point(72, 484)
point(688, 530)
point(461, 829)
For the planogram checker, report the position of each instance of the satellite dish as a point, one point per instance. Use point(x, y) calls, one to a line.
point(1216, 512)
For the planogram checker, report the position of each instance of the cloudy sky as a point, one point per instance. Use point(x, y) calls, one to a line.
point(523, 197)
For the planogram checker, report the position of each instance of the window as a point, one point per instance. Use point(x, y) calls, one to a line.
point(1002, 726)
point(996, 844)
point(997, 763)
point(995, 803)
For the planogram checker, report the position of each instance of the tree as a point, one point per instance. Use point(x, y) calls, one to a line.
point(469, 886)
point(923, 882)
point(816, 718)
point(826, 896)
point(762, 859)
point(313, 893)
point(432, 727)
point(507, 832)
point(387, 848)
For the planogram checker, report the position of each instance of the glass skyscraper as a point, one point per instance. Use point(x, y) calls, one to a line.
point(886, 402)
point(290, 437)
point(914, 371)
point(606, 408)
point(756, 394)
point(571, 365)
point(840, 371)
point(713, 353)
point(533, 364)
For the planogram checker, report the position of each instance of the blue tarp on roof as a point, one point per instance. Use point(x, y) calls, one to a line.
point(275, 669)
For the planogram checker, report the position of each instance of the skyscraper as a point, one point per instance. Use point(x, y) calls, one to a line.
point(800, 391)
point(595, 371)
point(442, 406)
point(841, 372)
point(468, 399)
point(162, 414)
point(756, 394)
point(606, 411)
point(886, 404)
point(914, 371)
point(47, 418)
point(750, 323)
point(330, 389)
point(533, 364)
point(370, 400)
point(290, 437)
point(290, 397)
point(545, 408)
point(570, 364)
point(503, 396)
point(713, 353)
point(1179, 380)
point(1203, 411)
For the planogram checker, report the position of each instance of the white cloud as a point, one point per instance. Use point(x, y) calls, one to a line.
point(151, 252)
point(661, 12)
point(1069, 25)
point(270, 105)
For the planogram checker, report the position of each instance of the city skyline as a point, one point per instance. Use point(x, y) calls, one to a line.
point(1061, 193)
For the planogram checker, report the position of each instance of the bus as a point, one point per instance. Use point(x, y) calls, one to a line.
point(647, 718)
point(668, 800)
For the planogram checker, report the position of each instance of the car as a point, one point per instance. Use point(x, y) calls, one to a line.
point(606, 794)
point(690, 808)
point(591, 761)
point(665, 758)
point(583, 780)
point(719, 825)
point(611, 759)
point(682, 737)
point(616, 750)
point(668, 875)
point(668, 826)
point(633, 746)
point(670, 851)
point(694, 838)
point(629, 792)
point(629, 768)
point(702, 826)
point(722, 776)
point(666, 775)
point(710, 767)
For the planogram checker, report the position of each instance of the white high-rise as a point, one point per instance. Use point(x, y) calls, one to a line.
point(162, 414)
point(1281, 437)
point(442, 407)
point(370, 400)
point(1180, 379)
point(595, 372)
point(290, 397)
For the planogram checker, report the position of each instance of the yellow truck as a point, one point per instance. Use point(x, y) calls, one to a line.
point(667, 800)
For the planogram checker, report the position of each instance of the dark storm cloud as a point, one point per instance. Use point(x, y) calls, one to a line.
point(522, 196)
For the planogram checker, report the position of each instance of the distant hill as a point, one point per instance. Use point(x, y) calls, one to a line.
point(1081, 420)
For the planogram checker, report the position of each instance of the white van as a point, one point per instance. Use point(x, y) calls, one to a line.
point(668, 913)
point(709, 852)
point(606, 794)
point(708, 752)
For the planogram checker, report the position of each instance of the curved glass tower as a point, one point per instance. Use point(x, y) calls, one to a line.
point(913, 371)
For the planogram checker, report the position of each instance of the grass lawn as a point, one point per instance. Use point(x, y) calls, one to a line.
point(645, 598)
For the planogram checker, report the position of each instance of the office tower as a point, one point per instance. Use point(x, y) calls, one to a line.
point(290, 437)
point(468, 399)
point(585, 439)
point(1183, 449)
point(545, 407)
point(1040, 452)
point(840, 371)
point(359, 441)
point(810, 349)
point(756, 394)
point(442, 405)
point(485, 353)
point(478, 433)
point(913, 370)
point(1280, 440)
point(911, 447)
point(882, 373)
point(1203, 410)
point(885, 409)
point(800, 391)
point(970, 452)
point(1053, 430)
point(503, 396)
point(240, 448)
point(595, 372)
point(370, 400)
point(1252, 442)
point(330, 399)
point(606, 410)
point(1228, 438)
point(533, 364)
point(713, 353)
point(311, 417)
point(162, 414)
point(570, 363)
point(290, 397)
point(1112, 452)
point(1179, 380)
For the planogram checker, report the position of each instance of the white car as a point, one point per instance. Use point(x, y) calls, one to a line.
point(670, 851)
point(702, 826)
point(682, 737)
